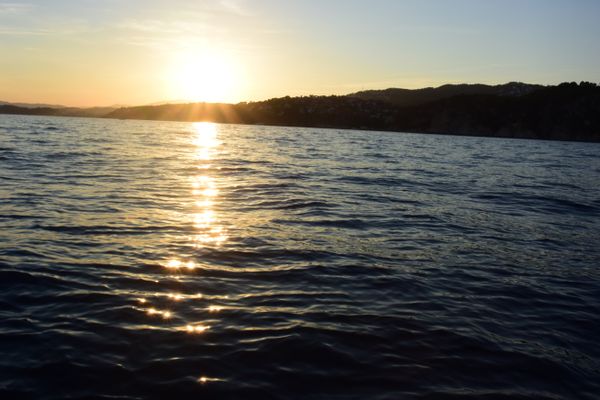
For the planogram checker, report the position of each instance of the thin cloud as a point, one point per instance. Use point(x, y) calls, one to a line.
point(66, 31)
point(162, 27)
point(14, 8)
point(26, 32)
point(238, 7)
point(444, 30)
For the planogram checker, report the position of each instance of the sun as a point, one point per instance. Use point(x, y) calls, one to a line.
point(203, 76)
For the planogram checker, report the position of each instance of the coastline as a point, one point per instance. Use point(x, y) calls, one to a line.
point(473, 135)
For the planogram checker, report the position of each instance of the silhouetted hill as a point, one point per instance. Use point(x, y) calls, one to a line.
point(85, 112)
point(216, 112)
point(60, 111)
point(568, 111)
point(315, 111)
point(12, 109)
point(413, 97)
point(30, 105)
point(565, 112)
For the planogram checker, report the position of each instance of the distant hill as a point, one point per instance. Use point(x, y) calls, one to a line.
point(415, 97)
point(85, 112)
point(60, 111)
point(13, 109)
point(569, 111)
point(30, 105)
point(565, 112)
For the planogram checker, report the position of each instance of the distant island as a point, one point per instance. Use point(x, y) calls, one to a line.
point(569, 111)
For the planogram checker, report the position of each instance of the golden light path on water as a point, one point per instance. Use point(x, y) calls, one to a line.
point(204, 187)
point(207, 230)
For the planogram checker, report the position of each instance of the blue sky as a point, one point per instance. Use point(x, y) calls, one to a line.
point(102, 52)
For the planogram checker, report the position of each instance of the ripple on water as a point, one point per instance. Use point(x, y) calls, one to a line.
point(160, 259)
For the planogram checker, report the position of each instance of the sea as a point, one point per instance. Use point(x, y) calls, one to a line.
point(172, 260)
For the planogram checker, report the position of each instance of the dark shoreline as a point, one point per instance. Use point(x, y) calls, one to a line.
point(567, 112)
point(318, 127)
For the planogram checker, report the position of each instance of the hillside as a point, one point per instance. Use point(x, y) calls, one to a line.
point(568, 111)
point(414, 97)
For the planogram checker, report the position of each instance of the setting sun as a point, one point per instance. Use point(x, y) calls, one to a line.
point(203, 76)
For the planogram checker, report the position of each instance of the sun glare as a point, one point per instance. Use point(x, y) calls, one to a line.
point(203, 76)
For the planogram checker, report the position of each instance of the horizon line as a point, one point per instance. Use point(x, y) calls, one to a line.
point(36, 104)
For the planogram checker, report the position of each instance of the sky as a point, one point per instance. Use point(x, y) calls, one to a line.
point(130, 52)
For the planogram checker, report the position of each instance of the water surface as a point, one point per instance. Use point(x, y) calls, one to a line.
point(173, 260)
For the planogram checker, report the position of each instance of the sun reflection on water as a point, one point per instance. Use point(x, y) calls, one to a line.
point(204, 203)
point(206, 379)
point(166, 314)
point(204, 189)
point(173, 264)
point(196, 328)
point(206, 134)
point(175, 296)
point(204, 218)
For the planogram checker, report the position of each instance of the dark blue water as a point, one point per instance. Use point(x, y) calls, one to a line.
point(172, 260)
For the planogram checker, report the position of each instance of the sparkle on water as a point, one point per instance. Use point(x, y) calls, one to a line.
point(171, 260)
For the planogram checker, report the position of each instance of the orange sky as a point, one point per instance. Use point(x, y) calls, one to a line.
point(87, 53)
